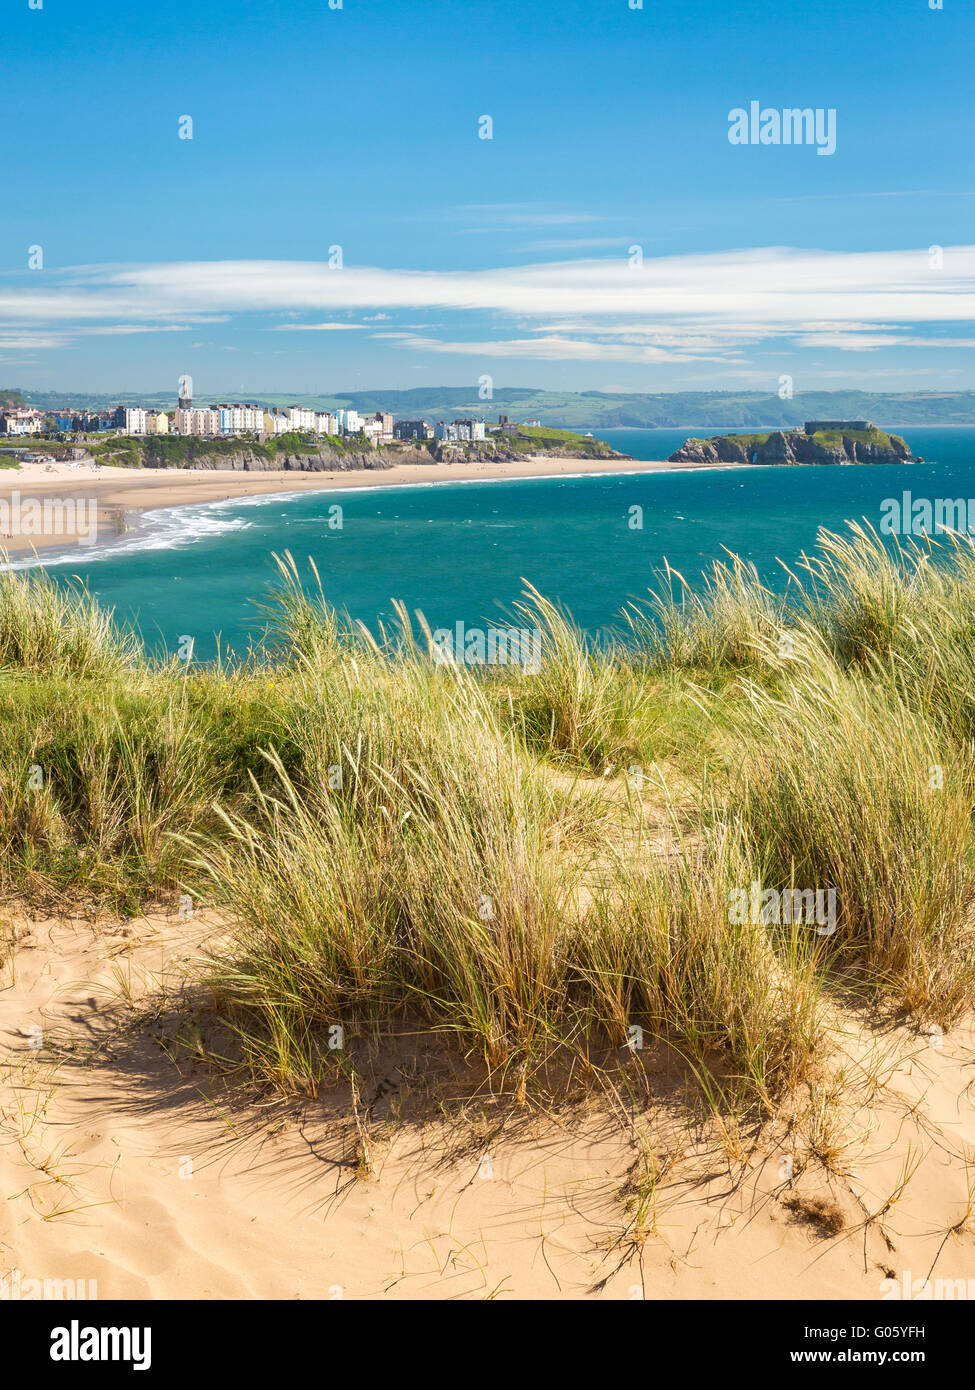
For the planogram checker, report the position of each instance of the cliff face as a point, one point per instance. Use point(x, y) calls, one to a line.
point(248, 459)
point(778, 447)
point(244, 460)
point(579, 448)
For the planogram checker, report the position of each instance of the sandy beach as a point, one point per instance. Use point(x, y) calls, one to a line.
point(111, 494)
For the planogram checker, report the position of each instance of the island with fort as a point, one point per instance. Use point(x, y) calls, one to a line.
point(819, 441)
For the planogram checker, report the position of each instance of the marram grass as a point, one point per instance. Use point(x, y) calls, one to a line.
point(539, 865)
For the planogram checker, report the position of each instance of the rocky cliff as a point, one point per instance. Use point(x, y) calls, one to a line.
point(245, 460)
point(340, 456)
point(840, 446)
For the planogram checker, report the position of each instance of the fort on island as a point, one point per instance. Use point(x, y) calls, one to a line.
point(814, 426)
point(818, 441)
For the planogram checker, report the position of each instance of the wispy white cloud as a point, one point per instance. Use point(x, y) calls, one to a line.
point(315, 327)
point(62, 336)
point(687, 307)
point(551, 349)
point(869, 342)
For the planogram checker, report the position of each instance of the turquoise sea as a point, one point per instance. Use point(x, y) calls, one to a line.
point(460, 551)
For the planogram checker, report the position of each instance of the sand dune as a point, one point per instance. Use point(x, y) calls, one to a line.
point(142, 1173)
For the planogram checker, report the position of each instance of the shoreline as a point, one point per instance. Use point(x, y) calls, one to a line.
point(129, 493)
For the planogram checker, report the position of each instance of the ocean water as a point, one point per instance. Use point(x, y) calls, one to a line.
point(462, 551)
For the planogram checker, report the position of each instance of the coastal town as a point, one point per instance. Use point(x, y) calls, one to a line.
point(242, 419)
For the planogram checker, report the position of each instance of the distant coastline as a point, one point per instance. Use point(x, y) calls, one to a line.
point(599, 411)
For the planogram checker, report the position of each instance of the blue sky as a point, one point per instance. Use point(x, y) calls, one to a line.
point(358, 128)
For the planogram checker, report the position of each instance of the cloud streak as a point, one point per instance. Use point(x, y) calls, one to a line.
point(670, 308)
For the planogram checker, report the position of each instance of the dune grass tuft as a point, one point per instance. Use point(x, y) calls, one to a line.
point(532, 862)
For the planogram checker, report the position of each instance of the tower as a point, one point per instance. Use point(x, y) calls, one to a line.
point(185, 392)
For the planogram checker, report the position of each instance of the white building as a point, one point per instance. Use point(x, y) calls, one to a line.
point(350, 421)
point(373, 430)
point(241, 419)
point(302, 418)
point(132, 419)
point(460, 430)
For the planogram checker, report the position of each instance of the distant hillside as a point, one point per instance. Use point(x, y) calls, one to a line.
point(594, 410)
point(10, 398)
point(691, 409)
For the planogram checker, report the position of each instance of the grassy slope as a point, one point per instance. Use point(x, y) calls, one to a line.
point(165, 451)
point(534, 437)
point(829, 439)
point(532, 862)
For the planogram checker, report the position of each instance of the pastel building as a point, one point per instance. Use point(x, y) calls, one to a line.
point(89, 421)
point(21, 422)
point(241, 419)
point(197, 420)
